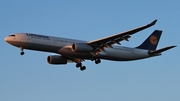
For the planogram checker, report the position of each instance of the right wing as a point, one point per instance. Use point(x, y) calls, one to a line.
point(100, 44)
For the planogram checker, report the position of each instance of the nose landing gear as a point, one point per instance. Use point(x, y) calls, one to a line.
point(22, 52)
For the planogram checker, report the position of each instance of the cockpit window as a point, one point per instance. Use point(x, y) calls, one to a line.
point(12, 35)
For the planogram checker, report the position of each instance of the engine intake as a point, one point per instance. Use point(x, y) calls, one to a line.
point(56, 59)
point(81, 47)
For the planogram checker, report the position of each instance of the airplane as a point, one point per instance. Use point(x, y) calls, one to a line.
point(77, 51)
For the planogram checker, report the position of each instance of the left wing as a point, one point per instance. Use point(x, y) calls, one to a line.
point(100, 44)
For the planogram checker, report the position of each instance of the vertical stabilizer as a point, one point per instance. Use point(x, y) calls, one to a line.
point(152, 41)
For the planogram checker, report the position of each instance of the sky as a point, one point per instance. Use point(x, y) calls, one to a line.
point(31, 78)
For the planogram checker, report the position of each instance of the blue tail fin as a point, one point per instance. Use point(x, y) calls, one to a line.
point(152, 41)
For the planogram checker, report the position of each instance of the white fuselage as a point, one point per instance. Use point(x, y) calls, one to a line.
point(63, 46)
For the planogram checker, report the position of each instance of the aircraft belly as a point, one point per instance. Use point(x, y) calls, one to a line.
point(69, 53)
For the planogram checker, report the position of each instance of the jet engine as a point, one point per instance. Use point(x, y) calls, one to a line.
point(81, 47)
point(56, 59)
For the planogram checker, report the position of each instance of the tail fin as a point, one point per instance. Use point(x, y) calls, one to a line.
point(152, 41)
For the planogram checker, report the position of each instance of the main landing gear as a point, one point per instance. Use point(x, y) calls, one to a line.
point(82, 68)
point(97, 61)
point(22, 52)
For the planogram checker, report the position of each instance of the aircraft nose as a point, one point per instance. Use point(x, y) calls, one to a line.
point(6, 39)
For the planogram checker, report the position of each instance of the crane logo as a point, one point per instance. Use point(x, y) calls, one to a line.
point(153, 40)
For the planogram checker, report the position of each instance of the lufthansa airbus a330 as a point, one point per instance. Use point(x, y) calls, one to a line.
point(71, 50)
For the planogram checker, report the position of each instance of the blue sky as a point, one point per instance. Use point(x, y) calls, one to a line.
point(31, 78)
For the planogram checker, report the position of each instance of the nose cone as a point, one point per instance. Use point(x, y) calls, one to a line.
point(6, 39)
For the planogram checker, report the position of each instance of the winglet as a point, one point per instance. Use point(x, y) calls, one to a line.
point(156, 52)
point(152, 23)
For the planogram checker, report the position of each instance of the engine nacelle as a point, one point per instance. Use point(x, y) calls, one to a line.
point(81, 47)
point(56, 59)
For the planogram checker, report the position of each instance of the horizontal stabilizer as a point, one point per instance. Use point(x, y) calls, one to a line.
point(156, 52)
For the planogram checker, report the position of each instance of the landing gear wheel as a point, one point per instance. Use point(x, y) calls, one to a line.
point(82, 68)
point(93, 58)
point(97, 61)
point(79, 65)
point(22, 53)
